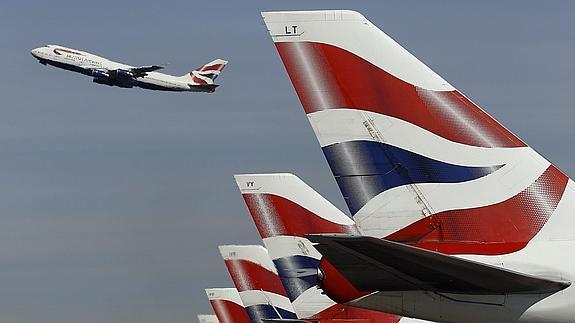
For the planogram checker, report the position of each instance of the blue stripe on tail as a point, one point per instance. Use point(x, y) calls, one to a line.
point(364, 169)
point(297, 273)
point(209, 75)
point(260, 312)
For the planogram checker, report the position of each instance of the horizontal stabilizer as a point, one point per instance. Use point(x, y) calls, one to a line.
point(372, 264)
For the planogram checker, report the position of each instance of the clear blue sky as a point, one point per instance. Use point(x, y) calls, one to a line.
point(114, 200)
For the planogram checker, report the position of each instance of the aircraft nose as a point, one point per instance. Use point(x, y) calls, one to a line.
point(34, 52)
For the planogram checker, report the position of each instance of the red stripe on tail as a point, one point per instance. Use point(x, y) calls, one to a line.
point(247, 275)
point(328, 77)
point(215, 67)
point(229, 312)
point(497, 229)
point(276, 216)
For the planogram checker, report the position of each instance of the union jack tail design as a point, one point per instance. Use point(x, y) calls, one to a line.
point(416, 161)
point(257, 282)
point(227, 305)
point(207, 74)
point(284, 209)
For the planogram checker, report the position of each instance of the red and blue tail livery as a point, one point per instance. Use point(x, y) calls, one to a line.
point(285, 209)
point(462, 220)
point(227, 305)
point(258, 284)
point(208, 73)
point(416, 160)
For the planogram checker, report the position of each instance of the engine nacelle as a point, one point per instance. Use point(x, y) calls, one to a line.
point(120, 78)
point(335, 285)
point(122, 74)
point(100, 74)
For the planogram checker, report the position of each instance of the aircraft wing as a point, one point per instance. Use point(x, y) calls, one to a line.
point(121, 73)
point(143, 70)
point(372, 264)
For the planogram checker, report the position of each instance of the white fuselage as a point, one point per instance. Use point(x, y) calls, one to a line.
point(86, 63)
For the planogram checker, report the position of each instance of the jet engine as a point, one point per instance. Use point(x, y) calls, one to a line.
point(121, 74)
point(335, 285)
point(120, 78)
point(100, 74)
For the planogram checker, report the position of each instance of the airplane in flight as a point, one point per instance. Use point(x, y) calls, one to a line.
point(107, 72)
point(459, 219)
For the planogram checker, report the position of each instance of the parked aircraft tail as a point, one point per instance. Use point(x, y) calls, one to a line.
point(227, 305)
point(416, 161)
point(257, 281)
point(284, 209)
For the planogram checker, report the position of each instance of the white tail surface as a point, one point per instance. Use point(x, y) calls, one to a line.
point(258, 283)
point(207, 74)
point(416, 160)
point(227, 305)
point(285, 209)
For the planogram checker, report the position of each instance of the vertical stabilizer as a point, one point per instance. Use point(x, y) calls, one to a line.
point(227, 305)
point(257, 281)
point(402, 142)
point(284, 209)
point(207, 74)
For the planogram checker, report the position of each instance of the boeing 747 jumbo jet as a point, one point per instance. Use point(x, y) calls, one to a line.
point(105, 71)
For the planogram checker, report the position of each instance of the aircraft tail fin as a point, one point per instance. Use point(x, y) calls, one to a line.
point(257, 281)
point(402, 142)
point(284, 205)
point(227, 305)
point(285, 209)
point(207, 74)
